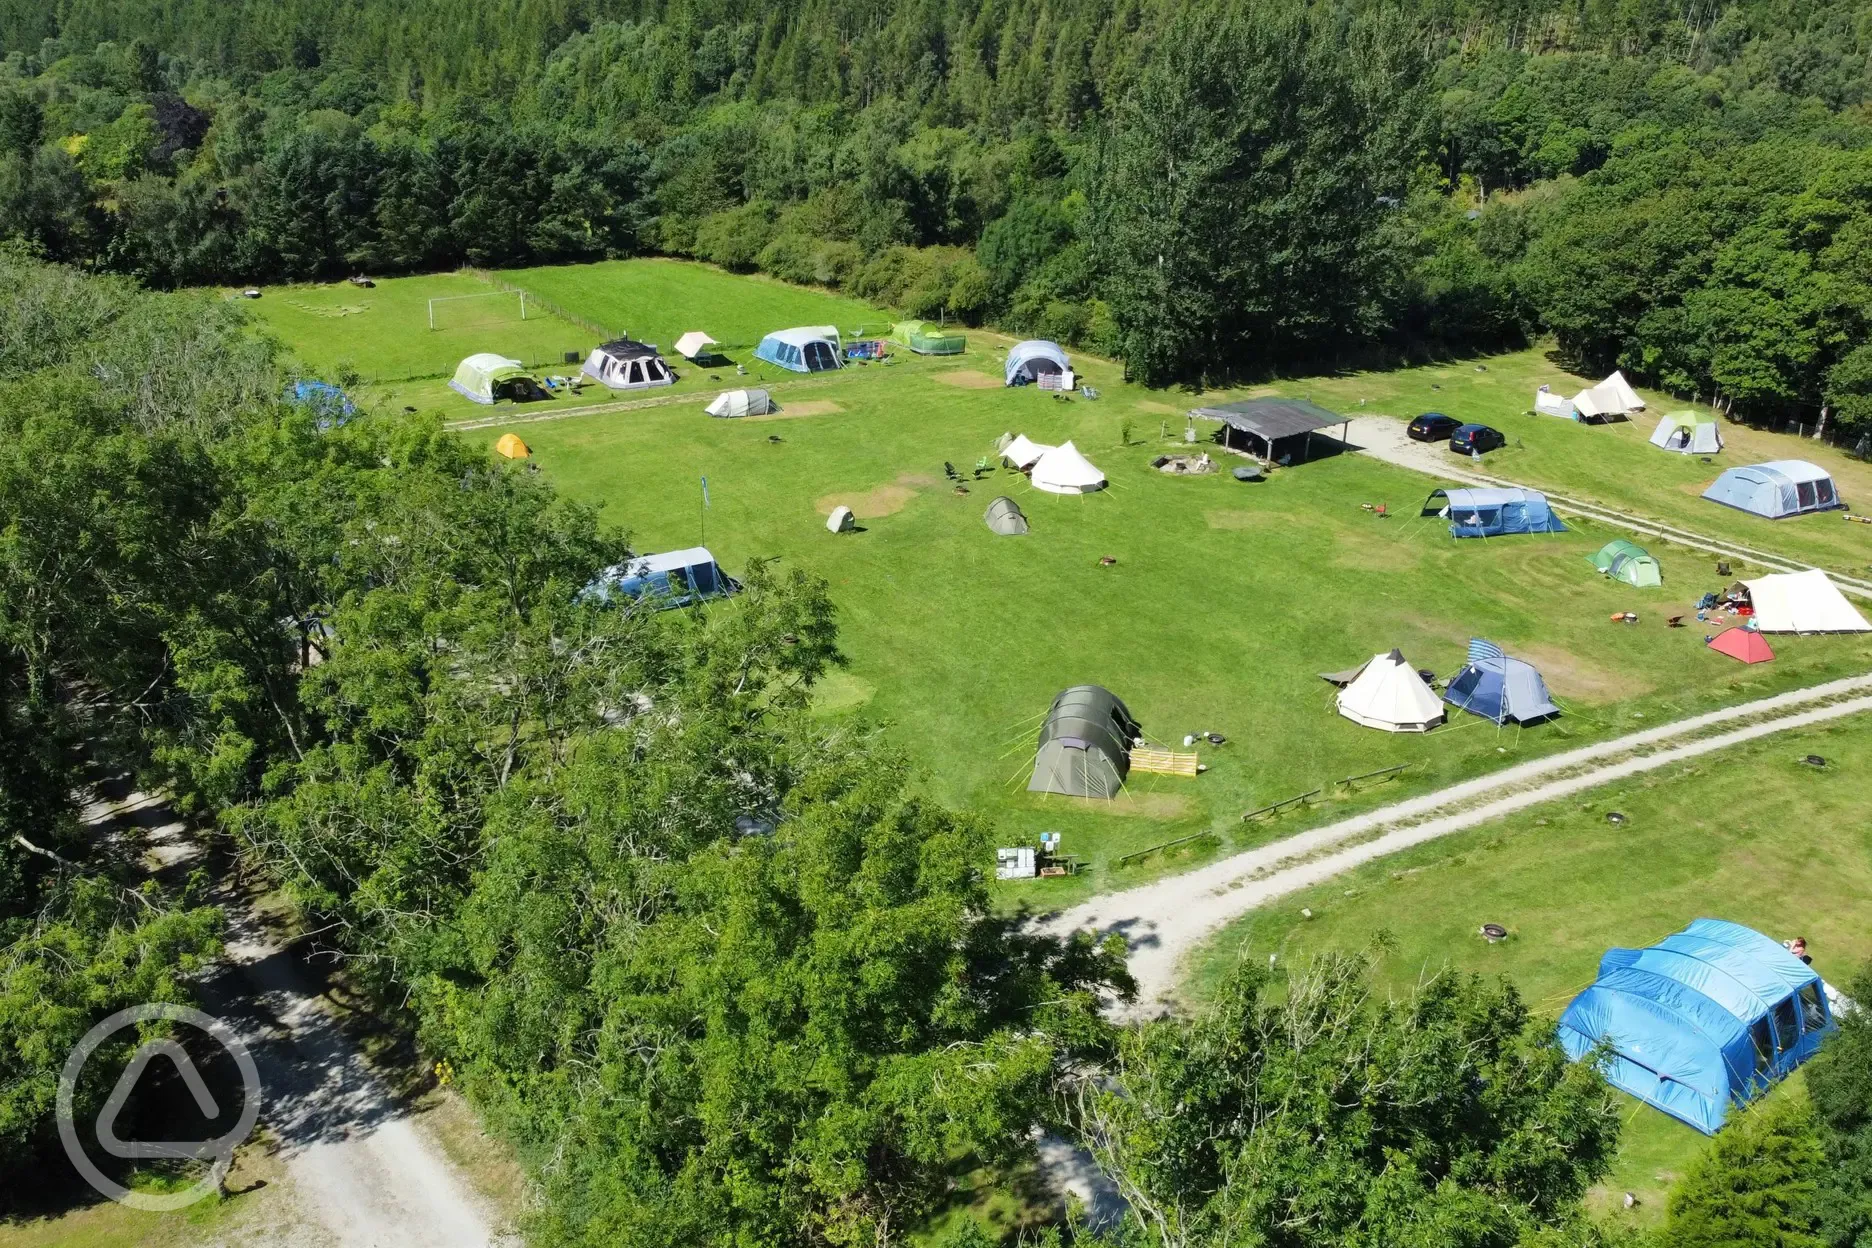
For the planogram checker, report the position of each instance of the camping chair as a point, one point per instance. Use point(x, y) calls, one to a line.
point(950, 471)
point(982, 467)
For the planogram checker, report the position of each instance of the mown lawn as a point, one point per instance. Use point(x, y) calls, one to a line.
point(1749, 834)
point(1225, 602)
point(383, 333)
point(1614, 464)
point(658, 301)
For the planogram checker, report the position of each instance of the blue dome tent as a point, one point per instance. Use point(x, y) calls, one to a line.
point(1497, 687)
point(1704, 1019)
point(810, 349)
point(1029, 361)
point(329, 403)
point(1493, 513)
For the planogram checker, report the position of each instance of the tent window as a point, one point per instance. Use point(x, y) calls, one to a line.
point(1764, 1046)
point(1805, 490)
point(1823, 490)
point(703, 574)
point(1786, 1025)
point(1813, 1010)
point(678, 581)
point(656, 370)
point(634, 373)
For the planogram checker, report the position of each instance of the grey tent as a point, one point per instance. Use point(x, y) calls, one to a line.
point(1785, 487)
point(1085, 744)
point(841, 520)
point(1004, 517)
point(730, 404)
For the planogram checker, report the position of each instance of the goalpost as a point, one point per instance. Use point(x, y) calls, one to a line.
point(498, 315)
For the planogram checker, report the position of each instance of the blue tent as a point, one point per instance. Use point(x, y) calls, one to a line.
point(330, 403)
point(1701, 1020)
point(1029, 361)
point(1786, 487)
point(810, 349)
point(1491, 513)
point(673, 579)
point(1497, 687)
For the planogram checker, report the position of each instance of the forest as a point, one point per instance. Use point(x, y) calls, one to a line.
point(1678, 191)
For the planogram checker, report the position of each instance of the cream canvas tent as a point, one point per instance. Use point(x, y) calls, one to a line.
point(1802, 602)
point(1022, 453)
point(693, 344)
point(1612, 397)
point(1687, 434)
point(1389, 695)
point(733, 403)
point(1063, 470)
point(1547, 403)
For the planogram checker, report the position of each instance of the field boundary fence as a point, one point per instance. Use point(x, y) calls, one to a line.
point(585, 323)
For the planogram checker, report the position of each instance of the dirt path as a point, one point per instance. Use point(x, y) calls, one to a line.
point(1165, 920)
point(360, 1168)
point(1384, 438)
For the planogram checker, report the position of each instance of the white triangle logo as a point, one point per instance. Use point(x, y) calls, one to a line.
point(126, 1083)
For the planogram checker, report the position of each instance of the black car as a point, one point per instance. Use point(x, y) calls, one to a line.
point(1476, 439)
point(1432, 427)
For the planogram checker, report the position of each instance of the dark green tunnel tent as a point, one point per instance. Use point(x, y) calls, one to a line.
point(1085, 744)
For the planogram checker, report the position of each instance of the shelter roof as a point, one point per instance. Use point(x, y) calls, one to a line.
point(1271, 418)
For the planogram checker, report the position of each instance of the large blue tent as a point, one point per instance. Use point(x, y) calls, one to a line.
point(1704, 1019)
point(1786, 487)
point(809, 349)
point(1497, 687)
point(673, 578)
point(1492, 512)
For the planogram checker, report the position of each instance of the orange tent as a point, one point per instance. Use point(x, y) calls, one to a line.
point(512, 447)
point(1742, 643)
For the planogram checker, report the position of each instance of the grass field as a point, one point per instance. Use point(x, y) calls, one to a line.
point(383, 333)
point(1749, 834)
point(1225, 602)
point(1615, 464)
point(660, 300)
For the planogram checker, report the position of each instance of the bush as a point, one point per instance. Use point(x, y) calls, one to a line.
point(733, 239)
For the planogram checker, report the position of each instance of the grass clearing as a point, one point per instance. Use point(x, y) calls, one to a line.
point(383, 333)
point(656, 300)
point(1748, 834)
point(1225, 602)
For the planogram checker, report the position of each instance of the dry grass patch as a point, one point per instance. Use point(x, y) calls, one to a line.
point(1136, 805)
point(970, 379)
point(1573, 677)
point(792, 411)
point(882, 500)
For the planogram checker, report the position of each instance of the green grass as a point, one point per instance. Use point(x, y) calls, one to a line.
point(1615, 464)
point(1225, 603)
point(383, 333)
point(1748, 834)
point(660, 300)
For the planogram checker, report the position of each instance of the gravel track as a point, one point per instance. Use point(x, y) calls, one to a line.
point(1164, 920)
point(361, 1171)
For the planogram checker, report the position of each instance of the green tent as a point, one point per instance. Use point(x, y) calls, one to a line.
point(1628, 562)
point(1085, 744)
point(486, 377)
point(927, 339)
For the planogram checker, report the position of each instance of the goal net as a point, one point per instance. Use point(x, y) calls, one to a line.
point(494, 307)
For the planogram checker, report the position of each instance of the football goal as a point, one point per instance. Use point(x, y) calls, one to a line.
point(493, 307)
